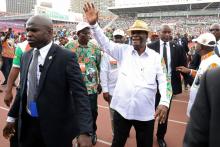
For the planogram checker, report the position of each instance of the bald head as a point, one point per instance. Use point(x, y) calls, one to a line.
point(39, 31)
point(215, 30)
point(165, 32)
point(165, 27)
point(40, 21)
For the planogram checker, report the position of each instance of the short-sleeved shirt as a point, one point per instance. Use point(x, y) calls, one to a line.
point(89, 59)
point(8, 48)
point(20, 49)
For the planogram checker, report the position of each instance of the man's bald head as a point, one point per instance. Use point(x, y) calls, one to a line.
point(165, 32)
point(215, 30)
point(165, 27)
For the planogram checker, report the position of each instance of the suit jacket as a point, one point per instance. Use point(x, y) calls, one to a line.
point(62, 99)
point(185, 42)
point(178, 58)
point(194, 64)
point(203, 129)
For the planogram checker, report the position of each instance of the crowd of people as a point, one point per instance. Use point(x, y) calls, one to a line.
point(193, 25)
point(137, 71)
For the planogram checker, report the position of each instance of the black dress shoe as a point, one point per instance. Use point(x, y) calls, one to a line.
point(94, 139)
point(161, 143)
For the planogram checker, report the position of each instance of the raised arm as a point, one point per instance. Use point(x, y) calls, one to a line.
point(114, 49)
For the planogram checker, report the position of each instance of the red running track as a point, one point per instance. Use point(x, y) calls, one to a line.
point(174, 136)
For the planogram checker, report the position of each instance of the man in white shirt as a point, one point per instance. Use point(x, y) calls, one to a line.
point(215, 30)
point(205, 47)
point(109, 72)
point(134, 95)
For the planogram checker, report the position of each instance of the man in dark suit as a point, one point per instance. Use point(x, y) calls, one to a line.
point(215, 30)
point(203, 128)
point(51, 105)
point(183, 41)
point(173, 56)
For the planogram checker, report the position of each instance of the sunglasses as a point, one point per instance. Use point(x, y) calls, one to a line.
point(214, 30)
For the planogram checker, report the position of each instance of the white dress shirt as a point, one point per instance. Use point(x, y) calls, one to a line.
point(136, 87)
point(218, 45)
point(108, 73)
point(212, 61)
point(41, 58)
point(168, 55)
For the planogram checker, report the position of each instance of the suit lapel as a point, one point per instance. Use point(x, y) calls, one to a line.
point(48, 60)
point(26, 67)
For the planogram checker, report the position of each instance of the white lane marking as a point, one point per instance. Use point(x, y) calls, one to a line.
point(6, 109)
point(178, 122)
point(104, 107)
point(180, 101)
point(104, 142)
point(174, 121)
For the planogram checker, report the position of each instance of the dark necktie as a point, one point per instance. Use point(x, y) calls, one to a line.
point(217, 51)
point(33, 83)
point(165, 54)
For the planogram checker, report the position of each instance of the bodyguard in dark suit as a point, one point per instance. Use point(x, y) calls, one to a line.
point(52, 105)
point(183, 42)
point(173, 56)
point(203, 129)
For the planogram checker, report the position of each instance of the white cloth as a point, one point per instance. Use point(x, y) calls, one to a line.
point(41, 58)
point(108, 73)
point(218, 45)
point(205, 65)
point(168, 55)
point(136, 87)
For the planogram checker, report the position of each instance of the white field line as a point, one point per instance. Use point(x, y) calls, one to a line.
point(3, 108)
point(104, 142)
point(180, 101)
point(170, 120)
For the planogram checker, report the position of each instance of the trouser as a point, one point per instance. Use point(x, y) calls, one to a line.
point(32, 135)
point(111, 115)
point(6, 67)
point(122, 126)
point(94, 108)
point(162, 128)
point(185, 82)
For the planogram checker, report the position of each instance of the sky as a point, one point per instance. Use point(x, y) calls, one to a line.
point(60, 5)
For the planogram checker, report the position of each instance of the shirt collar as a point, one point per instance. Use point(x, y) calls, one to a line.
point(44, 50)
point(218, 42)
point(162, 43)
point(146, 51)
point(207, 55)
